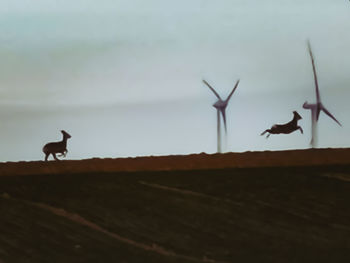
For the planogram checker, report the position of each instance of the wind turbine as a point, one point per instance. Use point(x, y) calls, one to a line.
point(220, 106)
point(317, 107)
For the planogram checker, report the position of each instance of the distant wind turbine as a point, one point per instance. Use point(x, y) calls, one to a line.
point(317, 107)
point(220, 106)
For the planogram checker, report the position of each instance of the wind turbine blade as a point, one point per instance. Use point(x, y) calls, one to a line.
point(223, 113)
point(330, 115)
point(318, 110)
point(212, 89)
point(229, 96)
point(313, 115)
point(314, 70)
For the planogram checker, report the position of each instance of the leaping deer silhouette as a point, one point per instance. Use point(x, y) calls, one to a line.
point(285, 128)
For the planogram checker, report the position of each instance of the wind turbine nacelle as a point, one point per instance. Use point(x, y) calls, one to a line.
point(220, 104)
point(307, 105)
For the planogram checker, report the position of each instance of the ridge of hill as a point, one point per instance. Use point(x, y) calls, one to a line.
point(202, 161)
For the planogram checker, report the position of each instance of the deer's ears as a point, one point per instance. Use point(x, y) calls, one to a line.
point(66, 133)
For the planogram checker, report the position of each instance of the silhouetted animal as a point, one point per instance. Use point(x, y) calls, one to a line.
point(285, 128)
point(57, 147)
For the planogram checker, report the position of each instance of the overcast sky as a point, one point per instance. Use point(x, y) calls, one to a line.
point(124, 77)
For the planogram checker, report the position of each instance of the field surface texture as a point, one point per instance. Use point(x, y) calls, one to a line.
point(271, 214)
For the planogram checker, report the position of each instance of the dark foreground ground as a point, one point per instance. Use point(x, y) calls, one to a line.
point(233, 215)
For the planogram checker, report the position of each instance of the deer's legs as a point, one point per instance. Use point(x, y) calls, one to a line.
point(263, 133)
point(46, 156)
point(268, 135)
point(64, 153)
point(55, 157)
point(301, 129)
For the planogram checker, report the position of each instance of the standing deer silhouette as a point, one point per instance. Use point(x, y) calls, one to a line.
point(57, 147)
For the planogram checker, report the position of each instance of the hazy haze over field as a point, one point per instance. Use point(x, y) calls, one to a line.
point(124, 78)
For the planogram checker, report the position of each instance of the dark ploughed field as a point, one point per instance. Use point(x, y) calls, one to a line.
point(249, 207)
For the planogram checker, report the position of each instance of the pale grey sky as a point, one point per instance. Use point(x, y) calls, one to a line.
point(124, 77)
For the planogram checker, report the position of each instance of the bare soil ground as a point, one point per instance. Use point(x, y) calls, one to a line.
point(253, 207)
